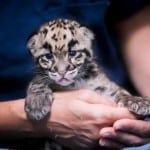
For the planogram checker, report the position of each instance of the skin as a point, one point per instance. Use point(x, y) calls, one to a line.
point(134, 35)
point(71, 120)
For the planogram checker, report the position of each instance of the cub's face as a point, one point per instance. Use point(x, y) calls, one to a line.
point(61, 47)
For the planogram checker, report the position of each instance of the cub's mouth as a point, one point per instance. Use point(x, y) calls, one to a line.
point(64, 81)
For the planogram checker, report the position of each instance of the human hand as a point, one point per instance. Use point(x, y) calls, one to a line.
point(77, 117)
point(125, 133)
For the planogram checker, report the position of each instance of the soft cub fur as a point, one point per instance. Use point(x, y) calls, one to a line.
point(62, 50)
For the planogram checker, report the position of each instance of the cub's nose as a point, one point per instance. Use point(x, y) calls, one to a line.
point(62, 72)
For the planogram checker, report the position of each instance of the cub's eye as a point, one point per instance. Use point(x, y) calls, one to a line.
point(49, 56)
point(72, 53)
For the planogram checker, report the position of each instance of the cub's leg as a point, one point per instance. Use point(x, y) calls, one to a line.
point(103, 86)
point(38, 101)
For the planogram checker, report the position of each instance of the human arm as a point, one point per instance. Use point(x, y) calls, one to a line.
point(13, 121)
point(134, 35)
point(76, 118)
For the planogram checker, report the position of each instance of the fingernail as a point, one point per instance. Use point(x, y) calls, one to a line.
point(102, 142)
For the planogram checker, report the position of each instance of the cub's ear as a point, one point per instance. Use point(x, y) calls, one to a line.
point(87, 33)
point(31, 40)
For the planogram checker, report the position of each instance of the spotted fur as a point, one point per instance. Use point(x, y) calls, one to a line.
point(63, 53)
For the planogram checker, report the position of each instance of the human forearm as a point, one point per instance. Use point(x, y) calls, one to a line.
point(134, 36)
point(13, 121)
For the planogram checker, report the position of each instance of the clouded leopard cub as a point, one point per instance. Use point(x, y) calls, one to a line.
point(62, 50)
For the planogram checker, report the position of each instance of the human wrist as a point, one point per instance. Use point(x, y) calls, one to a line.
point(18, 113)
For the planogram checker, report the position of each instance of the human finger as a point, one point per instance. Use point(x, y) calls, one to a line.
point(101, 115)
point(137, 127)
point(110, 144)
point(124, 138)
point(111, 113)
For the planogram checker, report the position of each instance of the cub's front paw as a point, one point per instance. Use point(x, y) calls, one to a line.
point(135, 104)
point(37, 106)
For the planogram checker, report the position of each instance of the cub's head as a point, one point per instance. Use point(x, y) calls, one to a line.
point(62, 47)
